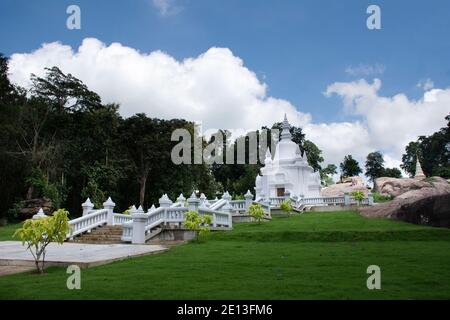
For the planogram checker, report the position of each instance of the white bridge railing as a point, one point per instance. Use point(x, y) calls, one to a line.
point(120, 218)
point(275, 202)
point(170, 213)
point(145, 223)
point(88, 222)
point(239, 206)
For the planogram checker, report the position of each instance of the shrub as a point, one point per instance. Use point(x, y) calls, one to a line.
point(38, 234)
point(200, 225)
point(286, 206)
point(378, 198)
point(256, 212)
point(358, 195)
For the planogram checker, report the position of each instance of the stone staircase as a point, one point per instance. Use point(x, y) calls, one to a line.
point(101, 235)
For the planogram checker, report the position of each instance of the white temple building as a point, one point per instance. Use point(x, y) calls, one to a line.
point(288, 173)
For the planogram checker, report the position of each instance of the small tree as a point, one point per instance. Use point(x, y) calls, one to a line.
point(286, 206)
point(38, 234)
point(256, 212)
point(358, 195)
point(374, 165)
point(200, 225)
point(350, 167)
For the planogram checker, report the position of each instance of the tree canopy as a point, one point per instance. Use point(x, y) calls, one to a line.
point(349, 167)
point(433, 152)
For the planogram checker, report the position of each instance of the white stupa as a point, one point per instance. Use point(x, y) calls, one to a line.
point(419, 175)
point(288, 172)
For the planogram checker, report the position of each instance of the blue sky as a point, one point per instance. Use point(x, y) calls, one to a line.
point(298, 48)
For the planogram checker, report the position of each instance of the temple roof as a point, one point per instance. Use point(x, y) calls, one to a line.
point(286, 149)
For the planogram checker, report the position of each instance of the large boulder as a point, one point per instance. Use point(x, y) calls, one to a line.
point(30, 207)
point(395, 187)
point(347, 186)
point(433, 210)
point(417, 205)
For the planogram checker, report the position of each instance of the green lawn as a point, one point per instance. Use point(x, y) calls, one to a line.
point(6, 232)
point(311, 256)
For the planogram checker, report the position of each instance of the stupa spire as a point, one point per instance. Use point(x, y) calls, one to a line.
point(419, 172)
point(285, 126)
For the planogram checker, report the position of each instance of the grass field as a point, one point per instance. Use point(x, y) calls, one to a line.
point(311, 256)
point(6, 232)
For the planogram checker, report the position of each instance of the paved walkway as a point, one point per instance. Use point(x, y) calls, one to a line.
point(12, 253)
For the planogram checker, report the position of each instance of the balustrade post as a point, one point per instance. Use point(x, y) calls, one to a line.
point(164, 201)
point(193, 202)
point(202, 200)
point(39, 215)
point(226, 196)
point(139, 222)
point(87, 206)
point(370, 196)
point(181, 199)
point(109, 205)
point(346, 199)
point(248, 200)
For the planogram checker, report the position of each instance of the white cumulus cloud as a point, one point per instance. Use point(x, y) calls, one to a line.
point(392, 122)
point(217, 89)
point(214, 88)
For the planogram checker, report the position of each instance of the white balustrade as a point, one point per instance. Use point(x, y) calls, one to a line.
point(120, 218)
point(88, 222)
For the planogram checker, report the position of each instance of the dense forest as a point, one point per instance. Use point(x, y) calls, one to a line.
point(59, 141)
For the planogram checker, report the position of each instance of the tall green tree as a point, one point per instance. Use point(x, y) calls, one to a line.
point(392, 173)
point(326, 174)
point(313, 154)
point(374, 165)
point(349, 167)
point(433, 152)
point(410, 157)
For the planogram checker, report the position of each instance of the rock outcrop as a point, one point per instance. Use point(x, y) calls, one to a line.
point(32, 206)
point(395, 187)
point(425, 204)
point(348, 185)
point(432, 211)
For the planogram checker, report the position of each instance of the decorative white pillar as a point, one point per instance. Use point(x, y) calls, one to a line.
point(226, 196)
point(181, 199)
point(248, 199)
point(139, 223)
point(193, 202)
point(164, 201)
point(109, 205)
point(152, 208)
point(87, 206)
point(202, 200)
point(346, 199)
point(39, 215)
point(370, 195)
